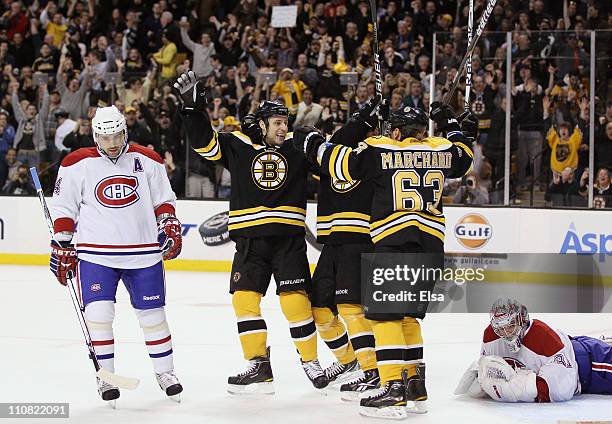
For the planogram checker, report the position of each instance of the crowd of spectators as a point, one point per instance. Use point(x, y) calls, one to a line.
point(62, 59)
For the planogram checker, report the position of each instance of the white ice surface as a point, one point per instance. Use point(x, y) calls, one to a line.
point(43, 359)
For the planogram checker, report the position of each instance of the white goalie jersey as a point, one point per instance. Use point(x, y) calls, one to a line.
point(113, 206)
point(547, 352)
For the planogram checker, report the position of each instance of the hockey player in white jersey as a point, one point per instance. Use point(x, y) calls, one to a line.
point(525, 360)
point(118, 200)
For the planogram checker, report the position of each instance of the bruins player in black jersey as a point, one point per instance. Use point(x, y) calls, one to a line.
point(343, 216)
point(407, 170)
point(267, 223)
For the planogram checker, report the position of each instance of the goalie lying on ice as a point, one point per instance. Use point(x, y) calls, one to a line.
point(525, 360)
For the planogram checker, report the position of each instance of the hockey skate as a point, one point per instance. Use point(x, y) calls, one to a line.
point(388, 402)
point(338, 373)
point(108, 392)
point(416, 392)
point(169, 383)
point(315, 374)
point(257, 379)
point(361, 386)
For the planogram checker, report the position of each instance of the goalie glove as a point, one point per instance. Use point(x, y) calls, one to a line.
point(192, 92)
point(307, 140)
point(63, 261)
point(169, 236)
point(504, 384)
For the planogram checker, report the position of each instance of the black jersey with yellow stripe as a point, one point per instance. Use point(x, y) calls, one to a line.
point(408, 179)
point(343, 207)
point(268, 195)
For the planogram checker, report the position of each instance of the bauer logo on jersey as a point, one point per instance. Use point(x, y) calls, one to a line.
point(269, 170)
point(473, 231)
point(117, 191)
point(343, 186)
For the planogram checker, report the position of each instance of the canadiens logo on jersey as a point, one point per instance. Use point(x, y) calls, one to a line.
point(117, 191)
point(269, 170)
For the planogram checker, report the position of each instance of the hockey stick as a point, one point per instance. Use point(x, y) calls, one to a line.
point(468, 69)
point(377, 72)
point(103, 374)
point(471, 47)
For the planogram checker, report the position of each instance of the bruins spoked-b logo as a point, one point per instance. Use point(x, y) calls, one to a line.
point(269, 170)
point(343, 186)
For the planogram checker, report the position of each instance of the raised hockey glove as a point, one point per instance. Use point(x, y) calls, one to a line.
point(307, 140)
point(469, 124)
point(63, 261)
point(250, 127)
point(192, 92)
point(444, 117)
point(368, 114)
point(169, 237)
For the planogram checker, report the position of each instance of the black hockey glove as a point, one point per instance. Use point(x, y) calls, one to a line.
point(250, 127)
point(368, 114)
point(307, 140)
point(444, 117)
point(469, 124)
point(192, 92)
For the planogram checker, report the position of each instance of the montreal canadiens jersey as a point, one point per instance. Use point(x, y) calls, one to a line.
point(113, 206)
point(407, 177)
point(547, 352)
point(343, 207)
point(268, 195)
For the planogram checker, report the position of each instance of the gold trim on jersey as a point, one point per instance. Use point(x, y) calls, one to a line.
point(399, 220)
point(349, 222)
point(465, 148)
point(338, 163)
point(430, 143)
point(213, 150)
point(247, 140)
point(261, 215)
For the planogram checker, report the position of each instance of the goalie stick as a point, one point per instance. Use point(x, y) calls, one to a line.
point(103, 374)
point(484, 19)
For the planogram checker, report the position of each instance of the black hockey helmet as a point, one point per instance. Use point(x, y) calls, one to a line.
point(268, 108)
point(409, 118)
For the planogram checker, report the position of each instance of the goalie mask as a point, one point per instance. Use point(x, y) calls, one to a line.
point(110, 132)
point(509, 320)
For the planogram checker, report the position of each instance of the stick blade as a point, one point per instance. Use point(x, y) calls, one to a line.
point(118, 380)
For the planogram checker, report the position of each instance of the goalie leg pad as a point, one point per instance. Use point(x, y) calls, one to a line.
point(503, 384)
